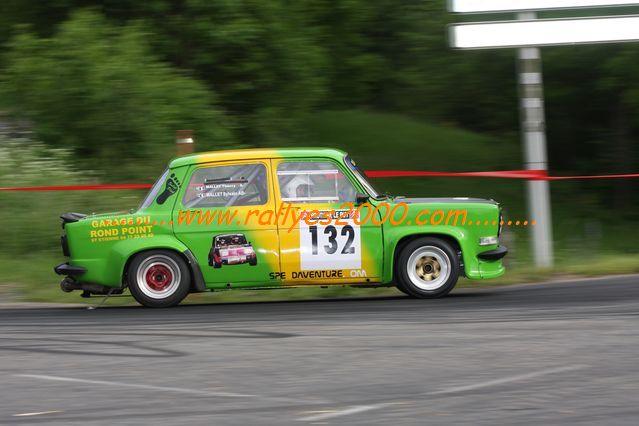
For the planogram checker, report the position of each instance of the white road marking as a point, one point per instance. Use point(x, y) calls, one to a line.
point(338, 413)
point(37, 414)
point(505, 380)
point(135, 385)
point(329, 414)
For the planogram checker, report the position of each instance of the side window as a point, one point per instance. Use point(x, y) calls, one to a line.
point(313, 182)
point(227, 186)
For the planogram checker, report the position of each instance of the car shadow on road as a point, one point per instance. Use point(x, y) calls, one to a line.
point(464, 294)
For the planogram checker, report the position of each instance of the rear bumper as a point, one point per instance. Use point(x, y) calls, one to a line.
point(495, 254)
point(65, 246)
point(66, 269)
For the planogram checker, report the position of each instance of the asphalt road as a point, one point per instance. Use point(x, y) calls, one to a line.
point(534, 354)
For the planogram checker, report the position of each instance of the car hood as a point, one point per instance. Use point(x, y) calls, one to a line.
point(443, 200)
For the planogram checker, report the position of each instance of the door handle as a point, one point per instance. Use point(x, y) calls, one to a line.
point(294, 208)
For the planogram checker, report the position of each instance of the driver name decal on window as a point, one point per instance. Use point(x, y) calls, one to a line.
point(227, 186)
point(220, 190)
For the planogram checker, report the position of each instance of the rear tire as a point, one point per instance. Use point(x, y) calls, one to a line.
point(427, 268)
point(159, 278)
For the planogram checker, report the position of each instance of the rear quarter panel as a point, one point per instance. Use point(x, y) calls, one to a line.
point(104, 243)
point(105, 250)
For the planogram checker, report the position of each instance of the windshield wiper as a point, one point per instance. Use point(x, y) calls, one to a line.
point(384, 196)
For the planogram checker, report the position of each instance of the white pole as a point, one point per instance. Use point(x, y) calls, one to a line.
point(534, 142)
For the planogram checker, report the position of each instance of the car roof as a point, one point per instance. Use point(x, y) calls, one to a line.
point(255, 153)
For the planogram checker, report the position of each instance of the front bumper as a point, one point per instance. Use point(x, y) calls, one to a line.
point(495, 254)
point(68, 270)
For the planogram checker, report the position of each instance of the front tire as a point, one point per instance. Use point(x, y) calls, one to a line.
point(427, 268)
point(159, 278)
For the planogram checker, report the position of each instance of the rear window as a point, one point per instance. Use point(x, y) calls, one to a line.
point(227, 186)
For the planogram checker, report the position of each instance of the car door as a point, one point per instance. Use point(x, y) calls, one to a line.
point(221, 217)
point(335, 248)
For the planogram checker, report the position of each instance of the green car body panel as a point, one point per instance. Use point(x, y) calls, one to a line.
point(183, 212)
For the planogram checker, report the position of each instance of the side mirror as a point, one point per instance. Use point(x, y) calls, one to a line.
point(361, 198)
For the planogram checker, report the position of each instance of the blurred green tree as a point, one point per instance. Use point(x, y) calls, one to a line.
point(260, 56)
point(394, 56)
point(98, 88)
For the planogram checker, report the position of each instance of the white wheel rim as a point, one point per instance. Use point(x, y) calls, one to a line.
point(428, 268)
point(158, 277)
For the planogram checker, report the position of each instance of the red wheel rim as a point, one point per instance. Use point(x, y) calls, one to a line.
point(159, 277)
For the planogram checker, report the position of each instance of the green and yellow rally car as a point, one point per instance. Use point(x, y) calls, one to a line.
point(278, 217)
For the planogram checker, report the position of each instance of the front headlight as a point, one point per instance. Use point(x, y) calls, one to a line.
point(488, 241)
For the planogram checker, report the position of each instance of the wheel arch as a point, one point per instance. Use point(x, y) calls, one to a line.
point(403, 241)
point(197, 280)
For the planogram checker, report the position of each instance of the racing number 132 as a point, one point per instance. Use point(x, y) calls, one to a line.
point(332, 246)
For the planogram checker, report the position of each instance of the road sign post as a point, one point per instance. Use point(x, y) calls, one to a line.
point(533, 132)
point(526, 34)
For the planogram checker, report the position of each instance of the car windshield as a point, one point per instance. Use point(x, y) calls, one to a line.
point(148, 200)
point(361, 176)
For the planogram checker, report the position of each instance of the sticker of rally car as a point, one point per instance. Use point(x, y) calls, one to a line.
point(231, 249)
point(310, 213)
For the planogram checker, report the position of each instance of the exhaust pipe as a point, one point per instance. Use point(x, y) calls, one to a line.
point(68, 284)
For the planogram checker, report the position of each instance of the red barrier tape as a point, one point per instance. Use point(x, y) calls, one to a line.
point(626, 176)
point(80, 187)
point(507, 174)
